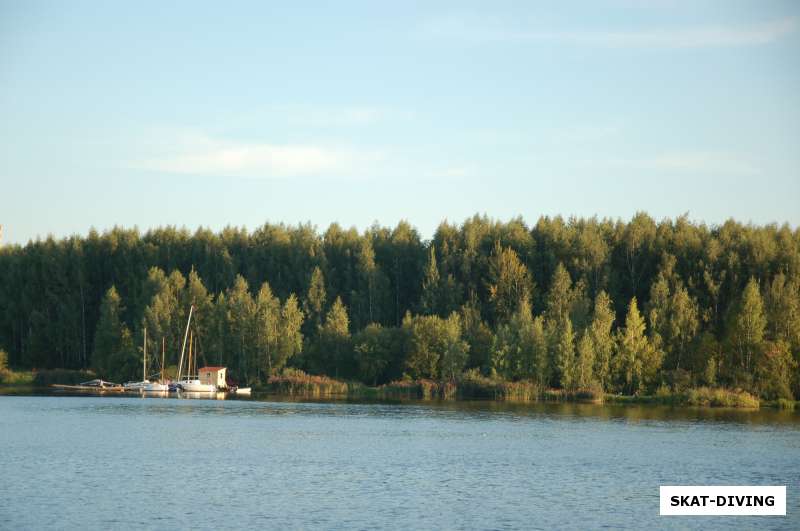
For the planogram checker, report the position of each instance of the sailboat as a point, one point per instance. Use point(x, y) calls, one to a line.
point(191, 383)
point(158, 387)
point(139, 386)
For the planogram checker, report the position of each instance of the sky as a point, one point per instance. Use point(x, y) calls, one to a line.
point(239, 113)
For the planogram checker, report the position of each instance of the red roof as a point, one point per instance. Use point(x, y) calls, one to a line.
point(210, 369)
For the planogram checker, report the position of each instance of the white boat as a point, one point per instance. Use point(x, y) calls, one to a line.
point(243, 390)
point(139, 386)
point(158, 387)
point(155, 387)
point(191, 383)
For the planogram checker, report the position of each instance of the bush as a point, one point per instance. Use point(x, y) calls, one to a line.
point(62, 376)
point(16, 378)
point(3, 360)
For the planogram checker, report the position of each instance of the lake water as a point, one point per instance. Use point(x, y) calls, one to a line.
point(157, 463)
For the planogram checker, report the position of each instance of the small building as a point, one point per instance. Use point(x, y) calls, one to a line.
point(214, 376)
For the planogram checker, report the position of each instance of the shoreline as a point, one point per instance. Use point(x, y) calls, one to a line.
point(297, 384)
point(374, 394)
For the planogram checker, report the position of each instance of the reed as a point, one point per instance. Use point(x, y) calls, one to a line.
point(720, 397)
point(698, 396)
point(473, 385)
point(418, 390)
point(294, 382)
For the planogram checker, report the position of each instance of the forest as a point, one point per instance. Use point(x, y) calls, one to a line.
point(624, 307)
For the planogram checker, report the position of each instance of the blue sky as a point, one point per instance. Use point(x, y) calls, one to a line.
point(193, 113)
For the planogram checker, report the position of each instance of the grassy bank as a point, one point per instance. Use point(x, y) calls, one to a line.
point(44, 378)
point(700, 396)
point(473, 386)
point(293, 382)
point(470, 386)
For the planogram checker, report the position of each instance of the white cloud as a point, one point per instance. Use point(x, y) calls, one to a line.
point(470, 28)
point(707, 163)
point(194, 154)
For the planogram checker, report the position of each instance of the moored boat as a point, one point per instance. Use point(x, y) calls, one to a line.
point(191, 383)
point(140, 386)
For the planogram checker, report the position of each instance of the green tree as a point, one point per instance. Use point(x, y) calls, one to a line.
point(637, 360)
point(478, 336)
point(564, 355)
point(240, 320)
point(267, 329)
point(314, 303)
point(435, 347)
point(332, 351)
point(290, 336)
point(773, 370)
point(584, 367)
point(114, 354)
point(455, 350)
point(520, 349)
point(749, 323)
point(602, 338)
point(374, 347)
point(509, 282)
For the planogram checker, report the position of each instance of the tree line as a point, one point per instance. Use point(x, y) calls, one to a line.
point(577, 303)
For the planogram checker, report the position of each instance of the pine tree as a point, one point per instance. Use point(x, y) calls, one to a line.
point(267, 328)
point(602, 339)
point(637, 360)
point(564, 355)
point(112, 340)
point(314, 303)
point(584, 368)
point(430, 286)
point(290, 337)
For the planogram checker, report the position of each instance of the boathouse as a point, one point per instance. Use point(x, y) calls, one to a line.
point(213, 375)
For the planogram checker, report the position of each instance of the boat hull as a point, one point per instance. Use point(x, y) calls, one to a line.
point(197, 387)
point(155, 388)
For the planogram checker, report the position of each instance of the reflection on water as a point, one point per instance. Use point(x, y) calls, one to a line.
point(144, 462)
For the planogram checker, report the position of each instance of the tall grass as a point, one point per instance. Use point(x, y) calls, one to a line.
point(698, 396)
point(294, 382)
point(473, 385)
point(418, 389)
point(720, 397)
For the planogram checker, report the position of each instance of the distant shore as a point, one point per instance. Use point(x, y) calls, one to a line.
point(294, 383)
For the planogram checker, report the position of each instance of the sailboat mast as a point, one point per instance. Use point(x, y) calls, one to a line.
point(163, 348)
point(185, 335)
point(144, 356)
point(191, 340)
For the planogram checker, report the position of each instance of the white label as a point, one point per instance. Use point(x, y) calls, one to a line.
point(722, 500)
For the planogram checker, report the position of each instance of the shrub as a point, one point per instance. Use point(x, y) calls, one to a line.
point(62, 376)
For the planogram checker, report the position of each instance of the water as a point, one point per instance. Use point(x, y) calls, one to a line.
point(117, 462)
